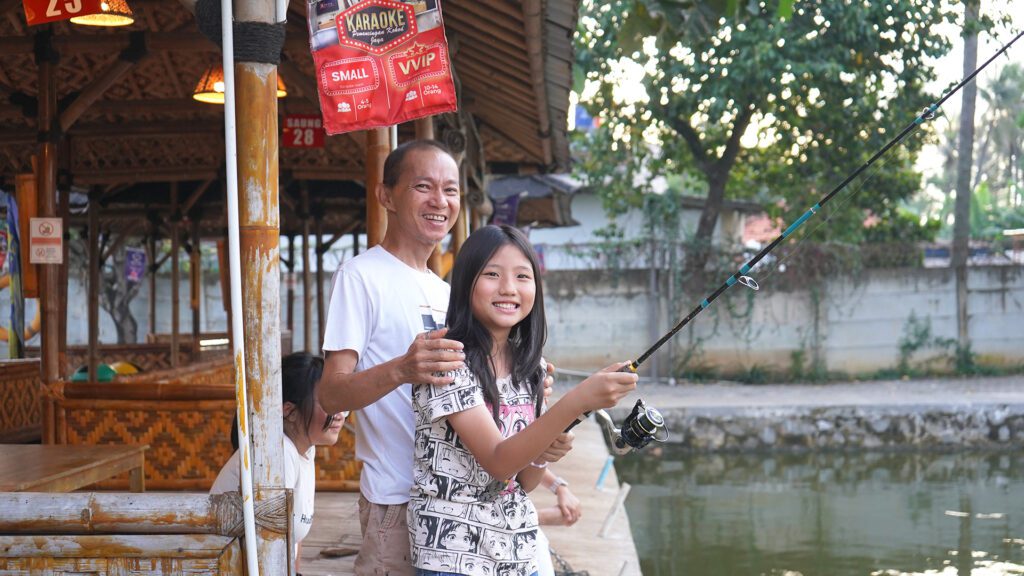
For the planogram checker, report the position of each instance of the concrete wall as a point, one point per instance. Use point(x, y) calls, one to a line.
point(850, 324)
point(595, 317)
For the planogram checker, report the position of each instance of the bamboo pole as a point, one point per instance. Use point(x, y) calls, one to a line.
point(290, 299)
point(49, 274)
point(320, 249)
point(152, 269)
point(175, 274)
point(307, 303)
point(196, 275)
point(94, 281)
point(64, 201)
point(255, 550)
point(259, 243)
point(377, 149)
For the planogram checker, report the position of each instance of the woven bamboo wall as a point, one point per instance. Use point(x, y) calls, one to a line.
point(20, 413)
point(187, 427)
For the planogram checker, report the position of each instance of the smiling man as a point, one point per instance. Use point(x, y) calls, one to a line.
point(385, 329)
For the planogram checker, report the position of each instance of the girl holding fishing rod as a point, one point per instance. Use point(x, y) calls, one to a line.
point(478, 439)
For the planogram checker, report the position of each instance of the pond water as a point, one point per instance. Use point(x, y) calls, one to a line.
point(827, 514)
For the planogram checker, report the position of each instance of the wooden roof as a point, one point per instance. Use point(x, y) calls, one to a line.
point(145, 132)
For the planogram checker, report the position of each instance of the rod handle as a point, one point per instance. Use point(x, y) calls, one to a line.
point(630, 367)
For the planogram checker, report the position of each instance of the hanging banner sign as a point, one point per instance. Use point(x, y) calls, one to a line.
point(46, 241)
point(506, 211)
point(379, 62)
point(43, 11)
point(302, 131)
point(134, 264)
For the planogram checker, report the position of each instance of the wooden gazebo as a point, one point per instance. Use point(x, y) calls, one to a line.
point(107, 112)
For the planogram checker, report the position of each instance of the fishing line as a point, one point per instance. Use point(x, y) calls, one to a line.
point(740, 276)
point(797, 245)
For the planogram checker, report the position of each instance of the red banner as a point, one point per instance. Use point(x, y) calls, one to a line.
point(379, 62)
point(43, 11)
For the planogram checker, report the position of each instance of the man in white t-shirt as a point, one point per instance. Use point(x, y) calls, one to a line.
point(384, 329)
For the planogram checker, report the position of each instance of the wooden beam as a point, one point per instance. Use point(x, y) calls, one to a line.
point(175, 269)
point(195, 286)
point(93, 91)
point(377, 148)
point(94, 283)
point(113, 42)
point(129, 229)
point(533, 24)
point(307, 298)
point(195, 196)
point(139, 175)
point(99, 130)
point(49, 274)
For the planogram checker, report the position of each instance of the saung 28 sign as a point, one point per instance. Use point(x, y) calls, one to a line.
point(302, 131)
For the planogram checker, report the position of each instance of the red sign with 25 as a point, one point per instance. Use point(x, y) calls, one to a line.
point(43, 11)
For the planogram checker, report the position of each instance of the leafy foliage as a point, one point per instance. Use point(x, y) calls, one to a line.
point(749, 104)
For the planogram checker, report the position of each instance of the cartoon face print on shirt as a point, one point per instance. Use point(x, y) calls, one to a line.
point(453, 463)
point(515, 513)
point(446, 508)
point(458, 536)
point(514, 419)
point(498, 544)
point(475, 565)
point(525, 545)
point(426, 527)
point(462, 492)
point(445, 561)
point(512, 570)
point(488, 515)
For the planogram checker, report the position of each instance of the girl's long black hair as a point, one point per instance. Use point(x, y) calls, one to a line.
point(300, 372)
point(527, 338)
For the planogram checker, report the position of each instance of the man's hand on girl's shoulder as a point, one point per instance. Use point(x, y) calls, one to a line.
point(431, 359)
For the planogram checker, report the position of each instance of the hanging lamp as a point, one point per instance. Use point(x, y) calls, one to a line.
point(210, 88)
point(115, 13)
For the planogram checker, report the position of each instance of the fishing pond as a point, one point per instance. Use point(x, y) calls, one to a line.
point(826, 513)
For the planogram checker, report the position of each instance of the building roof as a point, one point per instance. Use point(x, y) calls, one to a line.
point(144, 131)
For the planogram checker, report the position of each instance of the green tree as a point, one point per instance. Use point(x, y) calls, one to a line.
point(818, 91)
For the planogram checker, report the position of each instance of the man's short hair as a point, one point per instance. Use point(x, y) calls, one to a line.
point(393, 163)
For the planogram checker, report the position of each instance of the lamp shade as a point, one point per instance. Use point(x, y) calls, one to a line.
point(210, 88)
point(115, 13)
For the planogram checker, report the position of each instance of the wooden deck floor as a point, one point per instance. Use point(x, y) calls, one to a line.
point(336, 523)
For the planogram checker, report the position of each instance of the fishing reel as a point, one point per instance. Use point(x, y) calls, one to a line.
point(640, 427)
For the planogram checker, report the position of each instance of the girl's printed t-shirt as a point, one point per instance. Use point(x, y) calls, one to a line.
point(462, 519)
point(299, 475)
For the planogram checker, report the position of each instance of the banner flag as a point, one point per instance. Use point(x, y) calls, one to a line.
point(379, 62)
point(506, 210)
point(134, 264)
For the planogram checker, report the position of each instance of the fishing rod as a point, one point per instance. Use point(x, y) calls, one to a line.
point(644, 424)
